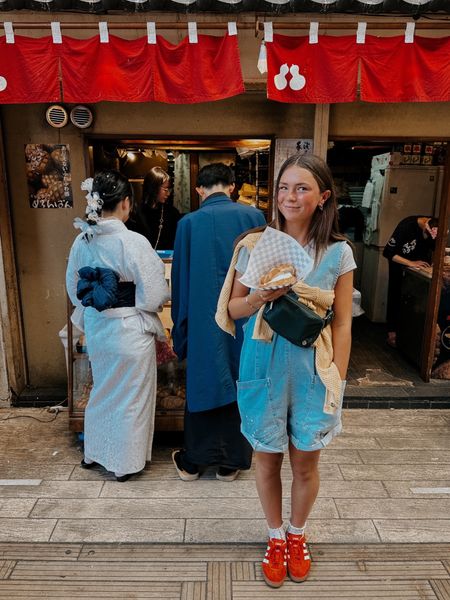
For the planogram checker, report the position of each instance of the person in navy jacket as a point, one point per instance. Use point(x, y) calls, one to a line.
point(203, 250)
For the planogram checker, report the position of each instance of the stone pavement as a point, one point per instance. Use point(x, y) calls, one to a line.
point(380, 527)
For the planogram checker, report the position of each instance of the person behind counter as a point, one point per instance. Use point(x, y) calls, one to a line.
point(116, 282)
point(156, 218)
point(289, 396)
point(203, 250)
point(411, 245)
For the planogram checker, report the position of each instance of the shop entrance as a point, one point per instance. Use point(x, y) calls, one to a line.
point(181, 161)
point(379, 183)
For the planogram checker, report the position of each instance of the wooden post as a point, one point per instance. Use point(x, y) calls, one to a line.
point(321, 128)
point(434, 296)
point(10, 313)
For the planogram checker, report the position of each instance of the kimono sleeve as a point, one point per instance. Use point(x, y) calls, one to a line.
point(180, 288)
point(72, 277)
point(152, 290)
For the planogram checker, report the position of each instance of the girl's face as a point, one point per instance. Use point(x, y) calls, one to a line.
point(164, 192)
point(299, 195)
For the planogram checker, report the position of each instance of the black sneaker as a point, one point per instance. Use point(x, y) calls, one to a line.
point(224, 474)
point(182, 474)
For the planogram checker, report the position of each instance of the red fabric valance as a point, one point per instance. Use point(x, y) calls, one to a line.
point(392, 71)
point(325, 72)
point(188, 73)
point(135, 71)
point(29, 71)
point(120, 70)
point(37, 70)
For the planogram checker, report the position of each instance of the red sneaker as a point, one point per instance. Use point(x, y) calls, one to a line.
point(298, 557)
point(274, 565)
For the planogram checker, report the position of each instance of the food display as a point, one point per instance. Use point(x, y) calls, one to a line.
point(279, 276)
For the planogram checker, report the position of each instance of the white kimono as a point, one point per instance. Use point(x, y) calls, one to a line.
point(119, 417)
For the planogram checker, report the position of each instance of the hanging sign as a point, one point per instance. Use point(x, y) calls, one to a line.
point(28, 70)
point(207, 70)
point(136, 71)
point(286, 147)
point(48, 175)
point(323, 72)
point(118, 71)
point(395, 71)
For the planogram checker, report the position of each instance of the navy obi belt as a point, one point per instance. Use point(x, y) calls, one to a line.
point(101, 289)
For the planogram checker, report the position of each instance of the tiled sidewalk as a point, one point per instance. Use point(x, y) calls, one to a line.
point(220, 572)
point(380, 528)
point(385, 480)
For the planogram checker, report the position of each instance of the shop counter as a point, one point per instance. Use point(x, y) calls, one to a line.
point(413, 310)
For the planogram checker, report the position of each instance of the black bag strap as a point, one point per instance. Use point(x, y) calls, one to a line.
point(328, 317)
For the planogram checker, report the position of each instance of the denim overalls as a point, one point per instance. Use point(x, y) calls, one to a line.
point(280, 394)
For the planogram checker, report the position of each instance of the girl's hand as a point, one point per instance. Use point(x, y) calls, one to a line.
point(271, 295)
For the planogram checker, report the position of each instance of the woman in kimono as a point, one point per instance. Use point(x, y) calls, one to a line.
point(116, 282)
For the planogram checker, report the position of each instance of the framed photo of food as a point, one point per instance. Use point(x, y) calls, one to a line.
point(48, 175)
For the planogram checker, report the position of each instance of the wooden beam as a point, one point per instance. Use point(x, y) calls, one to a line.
point(434, 296)
point(321, 128)
point(251, 21)
point(10, 311)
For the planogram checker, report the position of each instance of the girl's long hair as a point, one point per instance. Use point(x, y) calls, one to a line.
point(152, 183)
point(324, 228)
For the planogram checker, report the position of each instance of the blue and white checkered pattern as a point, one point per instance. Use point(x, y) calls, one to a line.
point(275, 248)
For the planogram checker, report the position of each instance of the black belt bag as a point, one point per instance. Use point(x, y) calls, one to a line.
point(295, 321)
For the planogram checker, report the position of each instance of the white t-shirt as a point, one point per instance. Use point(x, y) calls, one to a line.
point(347, 262)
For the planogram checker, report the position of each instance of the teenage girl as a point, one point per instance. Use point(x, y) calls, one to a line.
point(284, 404)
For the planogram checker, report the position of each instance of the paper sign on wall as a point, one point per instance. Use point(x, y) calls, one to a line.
point(48, 175)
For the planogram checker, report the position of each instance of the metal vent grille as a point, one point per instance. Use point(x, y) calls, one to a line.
point(56, 116)
point(81, 116)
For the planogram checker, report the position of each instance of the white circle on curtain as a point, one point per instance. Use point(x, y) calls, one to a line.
point(3, 84)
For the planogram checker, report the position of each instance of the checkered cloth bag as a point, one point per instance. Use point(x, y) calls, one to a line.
point(275, 248)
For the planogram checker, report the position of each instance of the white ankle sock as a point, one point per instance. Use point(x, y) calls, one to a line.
point(277, 533)
point(296, 530)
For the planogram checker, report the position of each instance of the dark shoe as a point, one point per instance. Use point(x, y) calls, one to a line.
point(224, 474)
point(85, 465)
point(122, 478)
point(182, 474)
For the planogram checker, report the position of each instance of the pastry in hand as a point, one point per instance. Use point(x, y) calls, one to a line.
point(279, 276)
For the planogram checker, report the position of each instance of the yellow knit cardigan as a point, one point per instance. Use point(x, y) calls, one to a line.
point(316, 298)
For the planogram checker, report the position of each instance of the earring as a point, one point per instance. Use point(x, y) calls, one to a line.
point(321, 207)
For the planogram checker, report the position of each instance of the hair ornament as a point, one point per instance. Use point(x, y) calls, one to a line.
point(87, 228)
point(94, 202)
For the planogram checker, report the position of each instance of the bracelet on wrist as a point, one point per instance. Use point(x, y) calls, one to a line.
point(250, 304)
